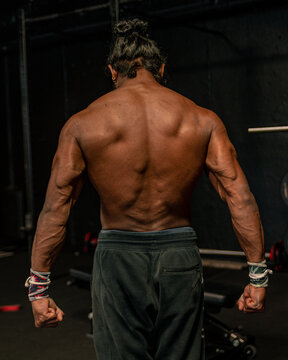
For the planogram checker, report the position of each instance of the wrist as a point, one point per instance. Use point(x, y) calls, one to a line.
point(258, 273)
point(38, 284)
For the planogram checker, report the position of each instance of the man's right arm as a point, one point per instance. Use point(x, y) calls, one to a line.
point(230, 182)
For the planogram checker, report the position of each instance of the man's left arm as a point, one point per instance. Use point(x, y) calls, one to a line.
point(231, 184)
point(65, 184)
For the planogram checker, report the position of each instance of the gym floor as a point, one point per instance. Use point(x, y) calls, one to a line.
point(20, 340)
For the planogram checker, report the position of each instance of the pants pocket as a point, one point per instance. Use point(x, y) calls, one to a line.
point(181, 266)
point(189, 275)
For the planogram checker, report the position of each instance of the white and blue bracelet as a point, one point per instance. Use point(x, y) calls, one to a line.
point(258, 273)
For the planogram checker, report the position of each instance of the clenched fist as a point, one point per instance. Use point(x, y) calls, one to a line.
point(252, 300)
point(46, 313)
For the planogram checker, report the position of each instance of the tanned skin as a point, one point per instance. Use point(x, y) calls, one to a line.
point(143, 148)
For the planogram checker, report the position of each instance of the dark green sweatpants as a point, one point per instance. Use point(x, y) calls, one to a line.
point(147, 296)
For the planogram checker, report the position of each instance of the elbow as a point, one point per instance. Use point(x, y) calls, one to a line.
point(55, 215)
point(57, 207)
point(50, 207)
point(241, 199)
point(47, 209)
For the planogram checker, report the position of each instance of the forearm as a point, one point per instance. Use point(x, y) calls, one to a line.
point(49, 237)
point(247, 225)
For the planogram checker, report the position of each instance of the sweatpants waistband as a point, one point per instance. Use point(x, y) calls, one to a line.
point(150, 240)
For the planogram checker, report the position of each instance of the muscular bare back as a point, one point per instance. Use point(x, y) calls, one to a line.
point(144, 147)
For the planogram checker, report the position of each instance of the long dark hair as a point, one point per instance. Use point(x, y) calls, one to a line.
point(132, 49)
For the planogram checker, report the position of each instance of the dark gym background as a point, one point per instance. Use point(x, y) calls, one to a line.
point(229, 56)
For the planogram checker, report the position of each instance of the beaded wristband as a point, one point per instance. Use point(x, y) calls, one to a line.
point(38, 283)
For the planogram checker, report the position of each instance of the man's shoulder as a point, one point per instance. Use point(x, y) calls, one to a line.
point(92, 110)
point(202, 112)
point(207, 115)
point(102, 100)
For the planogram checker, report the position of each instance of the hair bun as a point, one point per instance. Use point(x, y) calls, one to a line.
point(128, 27)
